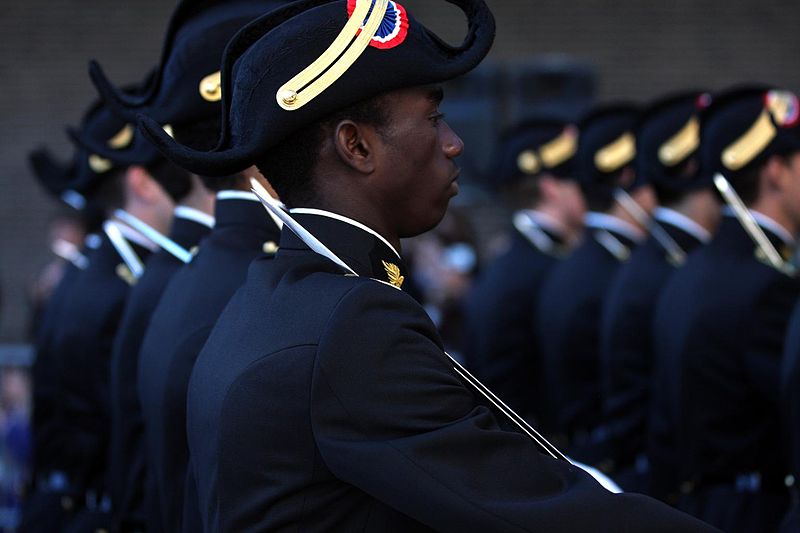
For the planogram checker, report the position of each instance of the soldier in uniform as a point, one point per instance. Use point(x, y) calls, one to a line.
point(43, 510)
point(192, 221)
point(533, 168)
point(322, 399)
point(721, 320)
point(83, 339)
point(571, 298)
point(667, 142)
point(186, 99)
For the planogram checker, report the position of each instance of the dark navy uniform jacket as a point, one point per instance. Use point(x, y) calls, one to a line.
point(790, 388)
point(500, 345)
point(83, 343)
point(45, 379)
point(324, 402)
point(189, 307)
point(127, 466)
point(569, 326)
point(626, 342)
point(719, 330)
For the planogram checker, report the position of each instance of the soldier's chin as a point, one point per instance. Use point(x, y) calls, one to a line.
point(421, 225)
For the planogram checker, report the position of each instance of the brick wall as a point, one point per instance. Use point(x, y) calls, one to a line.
point(639, 48)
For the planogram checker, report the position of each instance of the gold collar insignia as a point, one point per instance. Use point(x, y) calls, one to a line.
point(393, 272)
point(124, 273)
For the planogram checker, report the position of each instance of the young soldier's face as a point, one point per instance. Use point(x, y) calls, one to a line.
point(420, 168)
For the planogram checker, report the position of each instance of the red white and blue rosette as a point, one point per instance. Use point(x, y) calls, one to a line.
point(394, 26)
point(784, 107)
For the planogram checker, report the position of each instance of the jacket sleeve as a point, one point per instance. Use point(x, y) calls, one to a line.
point(391, 418)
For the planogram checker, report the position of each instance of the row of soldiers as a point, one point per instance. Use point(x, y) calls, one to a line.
point(217, 359)
point(659, 345)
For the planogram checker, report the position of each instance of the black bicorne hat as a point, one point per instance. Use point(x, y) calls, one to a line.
point(606, 145)
point(744, 126)
point(535, 147)
point(56, 178)
point(261, 107)
point(668, 137)
point(105, 143)
point(186, 85)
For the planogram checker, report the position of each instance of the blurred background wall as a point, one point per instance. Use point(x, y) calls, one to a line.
point(635, 48)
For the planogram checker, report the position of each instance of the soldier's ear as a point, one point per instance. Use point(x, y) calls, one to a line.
point(548, 190)
point(356, 145)
point(140, 185)
point(775, 174)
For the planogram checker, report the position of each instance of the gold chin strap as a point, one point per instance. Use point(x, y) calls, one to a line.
point(681, 145)
point(334, 62)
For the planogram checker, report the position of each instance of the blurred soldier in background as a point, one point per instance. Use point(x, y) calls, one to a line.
point(66, 232)
point(92, 307)
point(185, 101)
point(533, 168)
point(568, 314)
point(43, 503)
point(667, 143)
point(722, 319)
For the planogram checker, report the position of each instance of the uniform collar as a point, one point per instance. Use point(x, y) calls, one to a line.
point(547, 223)
point(239, 208)
point(188, 231)
point(731, 235)
point(617, 226)
point(232, 194)
point(541, 231)
point(190, 213)
point(768, 224)
point(670, 217)
point(134, 237)
point(364, 250)
point(116, 247)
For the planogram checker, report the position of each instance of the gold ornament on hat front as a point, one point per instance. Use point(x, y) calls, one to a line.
point(681, 145)
point(99, 165)
point(211, 87)
point(122, 139)
point(334, 62)
point(617, 154)
point(528, 162)
point(737, 155)
point(560, 149)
